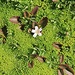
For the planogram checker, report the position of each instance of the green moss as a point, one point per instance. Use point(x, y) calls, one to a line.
point(7, 61)
point(15, 53)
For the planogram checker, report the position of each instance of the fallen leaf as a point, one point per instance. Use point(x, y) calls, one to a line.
point(34, 10)
point(15, 19)
point(34, 24)
point(60, 72)
point(68, 68)
point(61, 58)
point(30, 64)
point(26, 14)
point(57, 45)
point(43, 22)
point(67, 72)
point(41, 59)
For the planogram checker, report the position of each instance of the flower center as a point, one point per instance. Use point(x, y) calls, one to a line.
point(37, 31)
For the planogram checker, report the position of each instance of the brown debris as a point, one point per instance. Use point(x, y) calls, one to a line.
point(34, 10)
point(30, 64)
point(60, 72)
point(26, 14)
point(61, 58)
point(67, 72)
point(43, 22)
point(57, 45)
point(66, 68)
point(34, 24)
point(41, 59)
point(15, 19)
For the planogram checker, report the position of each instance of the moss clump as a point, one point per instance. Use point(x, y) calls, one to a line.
point(15, 53)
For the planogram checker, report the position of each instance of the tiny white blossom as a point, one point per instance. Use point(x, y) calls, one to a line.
point(36, 31)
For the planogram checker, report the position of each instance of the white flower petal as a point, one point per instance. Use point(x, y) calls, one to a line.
point(34, 35)
point(40, 34)
point(33, 31)
point(36, 31)
point(40, 29)
point(36, 27)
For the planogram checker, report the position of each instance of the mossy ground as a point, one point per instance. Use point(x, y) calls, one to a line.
point(60, 28)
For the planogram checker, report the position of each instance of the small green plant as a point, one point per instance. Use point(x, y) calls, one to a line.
point(52, 53)
point(30, 18)
point(37, 53)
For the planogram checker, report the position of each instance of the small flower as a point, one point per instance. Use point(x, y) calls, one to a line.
point(36, 31)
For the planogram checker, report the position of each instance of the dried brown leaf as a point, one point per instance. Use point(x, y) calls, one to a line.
point(61, 58)
point(34, 10)
point(67, 72)
point(68, 68)
point(15, 19)
point(26, 14)
point(30, 64)
point(57, 45)
point(34, 24)
point(43, 22)
point(41, 59)
point(60, 72)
